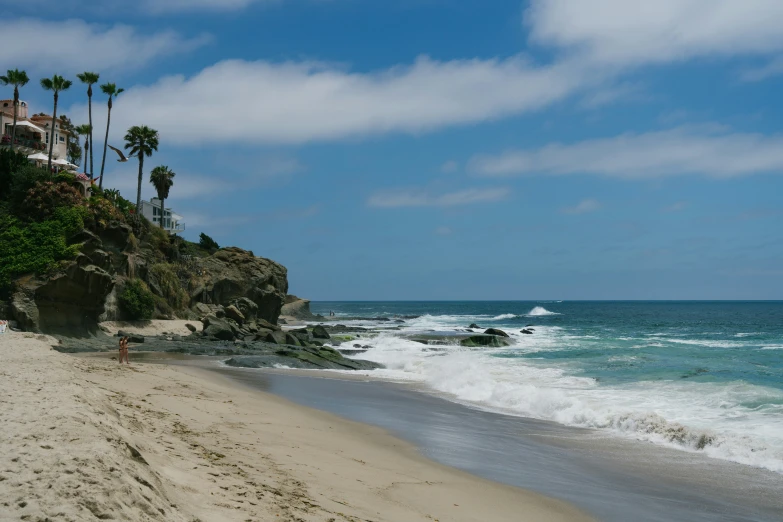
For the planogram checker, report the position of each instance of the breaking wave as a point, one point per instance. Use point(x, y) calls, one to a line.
point(539, 311)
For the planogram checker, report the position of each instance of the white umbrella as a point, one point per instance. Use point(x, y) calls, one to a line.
point(24, 123)
point(63, 163)
point(38, 156)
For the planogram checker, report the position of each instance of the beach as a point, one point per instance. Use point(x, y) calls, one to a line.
point(86, 438)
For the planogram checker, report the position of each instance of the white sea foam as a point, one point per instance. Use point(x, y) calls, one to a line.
point(503, 316)
point(721, 420)
point(539, 311)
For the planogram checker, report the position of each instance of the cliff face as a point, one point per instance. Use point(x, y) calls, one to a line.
point(232, 273)
point(83, 291)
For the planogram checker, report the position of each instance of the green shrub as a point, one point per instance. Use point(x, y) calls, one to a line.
point(207, 243)
point(137, 300)
point(36, 248)
point(43, 200)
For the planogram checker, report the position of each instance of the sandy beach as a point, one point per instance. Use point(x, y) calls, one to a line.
point(85, 439)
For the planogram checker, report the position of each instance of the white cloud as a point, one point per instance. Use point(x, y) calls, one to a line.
point(443, 231)
point(675, 207)
point(709, 150)
point(169, 6)
point(449, 167)
point(291, 103)
point(583, 207)
point(420, 198)
point(624, 32)
point(72, 46)
point(773, 68)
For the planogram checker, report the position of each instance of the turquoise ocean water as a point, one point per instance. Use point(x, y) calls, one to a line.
point(698, 376)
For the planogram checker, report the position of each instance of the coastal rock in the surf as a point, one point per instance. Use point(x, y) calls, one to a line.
point(319, 332)
point(477, 341)
point(219, 328)
point(527, 331)
point(495, 331)
point(474, 325)
point(298, 308)
point(309, 357)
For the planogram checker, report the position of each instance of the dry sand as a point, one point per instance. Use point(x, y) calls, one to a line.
point(151, 328)
point(86, 439)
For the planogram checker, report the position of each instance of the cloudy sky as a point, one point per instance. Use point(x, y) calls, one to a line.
point(460, 149)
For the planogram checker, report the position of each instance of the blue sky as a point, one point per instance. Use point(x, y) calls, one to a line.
point(425, 149)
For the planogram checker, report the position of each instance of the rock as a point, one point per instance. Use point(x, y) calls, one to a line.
point(475, 341)
point(304, 338)
point(232, 312)
point(526, 331)
point(291, 339)
point(218, 328)
point(232, 273)
point(203, 308)
point(247, 307)
point(220, 312)
point(474, 325)
point(69, 301)
point(276, 337)
point(399, 321)
point(190, 327)
point(298, 308)
point(281, 321)
point(495, 331)
point(319, 332)
point(266, 324)
point(135, 338)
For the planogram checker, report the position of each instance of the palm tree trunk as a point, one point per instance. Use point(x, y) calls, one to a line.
point(161, 212)
point(92, 165)
point(16, 108)
point(54, 126)
point(86, 147)
point(138, 192)
point(105, 143)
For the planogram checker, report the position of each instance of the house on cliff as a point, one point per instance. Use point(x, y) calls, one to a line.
point(32, 133)
point(172, 222)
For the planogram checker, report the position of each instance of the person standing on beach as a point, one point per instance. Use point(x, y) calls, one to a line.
point(124, 350)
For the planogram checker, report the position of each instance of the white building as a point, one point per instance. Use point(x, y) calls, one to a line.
point(32, 133)
point(171, 221)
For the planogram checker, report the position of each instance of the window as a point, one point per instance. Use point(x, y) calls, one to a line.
point(5, 104)
point(62, 139)
point(47, 138)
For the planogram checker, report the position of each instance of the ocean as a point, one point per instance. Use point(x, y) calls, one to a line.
point(701, 377)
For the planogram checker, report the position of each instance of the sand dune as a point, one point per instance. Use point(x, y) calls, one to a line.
point(86, 439)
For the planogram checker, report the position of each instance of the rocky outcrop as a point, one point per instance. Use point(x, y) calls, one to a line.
point(495, 331)
point(69, 301)
point(298, 308)
point(232, 273)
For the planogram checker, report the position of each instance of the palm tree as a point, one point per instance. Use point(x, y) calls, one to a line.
point(85, 130)
point(18, 79)
point(112, 91)
point(163, 179)
point(142, 141)
point(57, 84)
point(89, 78)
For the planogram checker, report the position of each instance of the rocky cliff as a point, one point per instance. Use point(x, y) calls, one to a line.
point(73, 298)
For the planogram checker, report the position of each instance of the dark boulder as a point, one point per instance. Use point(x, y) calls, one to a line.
point(526, 331)
point(474, 325)
point(219, 328)
point(190, 327)
point(232, 312)
point(297, 308)
point(475, 341)
point(495, 331)
point(319, 332)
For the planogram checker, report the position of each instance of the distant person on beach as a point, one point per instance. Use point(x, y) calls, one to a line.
point(3, 325)
point(124, 350)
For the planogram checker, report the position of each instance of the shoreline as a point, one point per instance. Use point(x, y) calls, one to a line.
point(184, 442)
point(613, 479)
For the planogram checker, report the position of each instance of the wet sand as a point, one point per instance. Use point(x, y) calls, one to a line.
point(611, 478)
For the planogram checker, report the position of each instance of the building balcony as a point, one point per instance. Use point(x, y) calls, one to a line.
point(25, 145)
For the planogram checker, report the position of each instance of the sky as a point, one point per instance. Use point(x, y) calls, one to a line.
point(448, 150)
